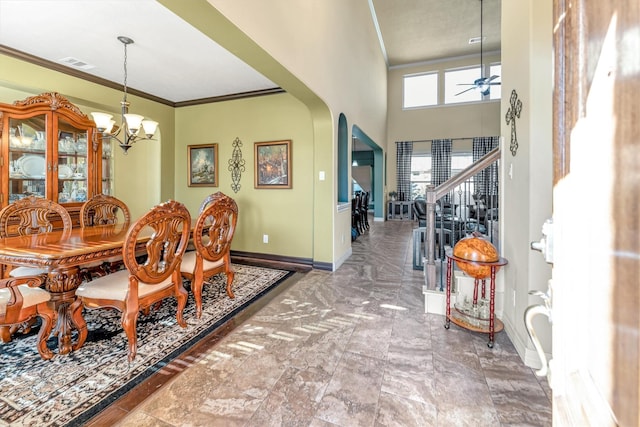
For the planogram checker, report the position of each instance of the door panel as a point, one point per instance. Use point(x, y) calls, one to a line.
point(596, 208)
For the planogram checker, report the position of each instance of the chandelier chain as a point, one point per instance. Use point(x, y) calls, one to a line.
point(125, 72)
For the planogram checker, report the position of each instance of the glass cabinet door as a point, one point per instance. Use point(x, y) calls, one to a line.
point(72, 148)
point(107, 166)
point(48, 150)
point(27, 157)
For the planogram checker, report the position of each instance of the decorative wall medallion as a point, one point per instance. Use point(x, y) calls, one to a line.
point(512, 113)
point(236, 165)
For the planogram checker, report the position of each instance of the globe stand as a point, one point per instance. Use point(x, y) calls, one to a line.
point(470, 321)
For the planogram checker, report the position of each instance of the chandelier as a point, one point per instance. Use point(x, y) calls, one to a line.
point(133, 127)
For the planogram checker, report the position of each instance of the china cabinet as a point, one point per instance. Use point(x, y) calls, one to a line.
point(49, 149)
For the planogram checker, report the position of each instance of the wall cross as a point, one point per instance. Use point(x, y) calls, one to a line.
point(512, 113)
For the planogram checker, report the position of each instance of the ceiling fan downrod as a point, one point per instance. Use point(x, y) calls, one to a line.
point(481, 43)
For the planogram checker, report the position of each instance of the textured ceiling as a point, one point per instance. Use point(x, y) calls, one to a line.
point(173, 61)
point(424, 30)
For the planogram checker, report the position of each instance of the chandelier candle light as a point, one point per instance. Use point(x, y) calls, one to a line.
point(133, 125)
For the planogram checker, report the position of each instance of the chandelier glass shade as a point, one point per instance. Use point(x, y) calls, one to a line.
point(133, 127)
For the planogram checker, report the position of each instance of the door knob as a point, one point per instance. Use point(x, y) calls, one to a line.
point(545, 244)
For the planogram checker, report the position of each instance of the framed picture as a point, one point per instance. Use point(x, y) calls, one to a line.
point(203, 165)
point(273, 164)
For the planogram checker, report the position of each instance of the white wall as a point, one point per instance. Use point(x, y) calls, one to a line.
point(527, 69)
point(450, 121)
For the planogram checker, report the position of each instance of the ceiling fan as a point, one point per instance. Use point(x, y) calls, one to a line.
point(483, 84)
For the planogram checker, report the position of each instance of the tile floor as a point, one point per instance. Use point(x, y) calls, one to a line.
point(346, 348)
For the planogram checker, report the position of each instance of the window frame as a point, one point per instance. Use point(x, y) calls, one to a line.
point(465, 153)
point(418, 75)
point(441, 86)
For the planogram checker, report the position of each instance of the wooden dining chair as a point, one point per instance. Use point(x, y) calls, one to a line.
point(21, 301)
point(144, 282)
point(208, 200)
point(212, 236)
point(102, 209)
point(32, 215)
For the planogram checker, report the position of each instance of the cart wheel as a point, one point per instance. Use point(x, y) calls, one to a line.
point(490, 344)
point(446, 325)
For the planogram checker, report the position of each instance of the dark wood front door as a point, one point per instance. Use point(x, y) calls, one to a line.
point(596, 276)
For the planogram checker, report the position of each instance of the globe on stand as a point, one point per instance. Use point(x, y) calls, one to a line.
point(475, 248)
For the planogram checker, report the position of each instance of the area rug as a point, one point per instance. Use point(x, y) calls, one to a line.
point(69, 390)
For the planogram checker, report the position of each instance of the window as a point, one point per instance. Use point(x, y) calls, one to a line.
point(496, 91)
point(456, 82)
point(420, 175)
point(420, 90)
point(421, 172)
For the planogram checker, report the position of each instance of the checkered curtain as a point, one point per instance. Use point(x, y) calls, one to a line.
point(404, 151)
point(485, 182)
point(440, 161)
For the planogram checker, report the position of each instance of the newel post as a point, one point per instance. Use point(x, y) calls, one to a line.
point(429, 239)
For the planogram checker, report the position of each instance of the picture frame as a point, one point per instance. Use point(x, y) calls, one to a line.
point(272, 164)
point(203, 165)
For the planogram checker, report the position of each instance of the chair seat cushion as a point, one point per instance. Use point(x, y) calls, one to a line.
point(30, 297)
point(115, 286)
point(27, 271)
point(188, 264)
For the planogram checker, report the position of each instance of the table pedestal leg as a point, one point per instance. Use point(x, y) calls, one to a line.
point(62, 283)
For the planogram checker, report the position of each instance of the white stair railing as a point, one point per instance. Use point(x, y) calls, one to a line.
point(452, 212)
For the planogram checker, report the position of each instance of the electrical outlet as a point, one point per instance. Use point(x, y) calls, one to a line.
point(265, 238)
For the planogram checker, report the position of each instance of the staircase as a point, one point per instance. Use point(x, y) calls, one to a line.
point(463, 204)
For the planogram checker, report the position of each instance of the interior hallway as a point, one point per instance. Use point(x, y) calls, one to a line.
point(348, 348)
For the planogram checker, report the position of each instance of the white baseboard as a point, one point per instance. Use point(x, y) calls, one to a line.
point(342, 259)
point(378, 219)
point(525, 348)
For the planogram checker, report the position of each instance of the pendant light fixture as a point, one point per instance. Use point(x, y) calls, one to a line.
point(133, 127)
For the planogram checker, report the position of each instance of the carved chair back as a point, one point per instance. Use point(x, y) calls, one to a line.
point(32, 215)
point(169, 227)
point(208, 200)
point(102, 210)
point(215, 227)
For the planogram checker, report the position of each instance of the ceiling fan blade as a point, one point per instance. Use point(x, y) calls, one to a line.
point(466, 90)
point(493, 78)
point(494, 84)
point(466, 84)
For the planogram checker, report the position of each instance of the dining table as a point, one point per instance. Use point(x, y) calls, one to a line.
point(63, 254)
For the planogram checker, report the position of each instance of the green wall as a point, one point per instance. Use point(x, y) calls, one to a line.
point(145, 176)
point(286, 215)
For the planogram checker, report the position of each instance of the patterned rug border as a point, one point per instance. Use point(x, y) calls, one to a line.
point(77, 415)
